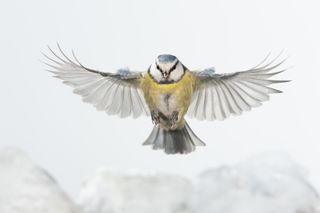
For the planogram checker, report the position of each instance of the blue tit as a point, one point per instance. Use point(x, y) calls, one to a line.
point(167, 91)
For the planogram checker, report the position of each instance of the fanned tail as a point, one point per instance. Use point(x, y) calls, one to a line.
point(181, 141)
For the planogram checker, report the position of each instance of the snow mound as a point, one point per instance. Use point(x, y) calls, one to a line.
point(265, 184)
point(113, 192)
point(26, 188)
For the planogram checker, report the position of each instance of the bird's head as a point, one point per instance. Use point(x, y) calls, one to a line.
point(167, 69)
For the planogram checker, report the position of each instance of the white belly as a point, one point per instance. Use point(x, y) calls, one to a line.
point(167, 104)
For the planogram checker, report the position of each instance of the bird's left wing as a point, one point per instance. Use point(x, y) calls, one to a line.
point(217, 96)
point(116, 93)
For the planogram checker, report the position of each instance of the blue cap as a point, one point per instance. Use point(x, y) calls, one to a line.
point(165, 58)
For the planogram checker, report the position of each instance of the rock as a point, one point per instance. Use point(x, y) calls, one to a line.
point(112, 192)
point(26, 188)
point(265, 184)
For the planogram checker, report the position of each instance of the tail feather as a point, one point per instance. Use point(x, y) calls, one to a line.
point(181, 141)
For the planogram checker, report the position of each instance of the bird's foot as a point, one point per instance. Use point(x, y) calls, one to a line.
point(155, 117)
point(173, 119)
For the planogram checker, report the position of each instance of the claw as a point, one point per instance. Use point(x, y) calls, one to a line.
point(155, 117)
point(174, 118)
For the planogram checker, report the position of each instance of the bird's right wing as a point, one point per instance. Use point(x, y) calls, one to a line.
point(116, 93)
point(217, 96)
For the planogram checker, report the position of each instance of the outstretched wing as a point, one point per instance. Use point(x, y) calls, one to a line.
point(217, 96)
point(116, 93)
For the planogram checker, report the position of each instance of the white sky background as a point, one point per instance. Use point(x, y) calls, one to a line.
point(71, 139)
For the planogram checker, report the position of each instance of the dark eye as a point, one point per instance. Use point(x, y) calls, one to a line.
point(159, 68)
point(174, 67)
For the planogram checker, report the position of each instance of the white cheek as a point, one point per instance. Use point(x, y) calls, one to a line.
point(176, 74)
point(155, 73)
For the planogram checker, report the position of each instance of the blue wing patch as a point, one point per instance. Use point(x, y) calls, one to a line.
point(207, 72)
point(124, 71)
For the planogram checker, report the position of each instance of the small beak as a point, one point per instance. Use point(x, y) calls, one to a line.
point(165, 75)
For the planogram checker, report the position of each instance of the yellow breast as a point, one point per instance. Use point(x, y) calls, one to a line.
point(181, 90)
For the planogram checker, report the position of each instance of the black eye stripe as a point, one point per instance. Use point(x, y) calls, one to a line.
point(174, 66)
point(158, 67)
point(171, 69)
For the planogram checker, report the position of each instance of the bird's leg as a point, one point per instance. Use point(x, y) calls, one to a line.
point(155, 117)
point(169, 121)
point(174, 118)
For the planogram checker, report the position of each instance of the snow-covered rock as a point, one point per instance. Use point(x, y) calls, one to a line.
point(114, 192)
point(26, 188)
point(265, 184)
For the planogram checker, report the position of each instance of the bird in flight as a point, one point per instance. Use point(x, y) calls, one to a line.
point(167, 91)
